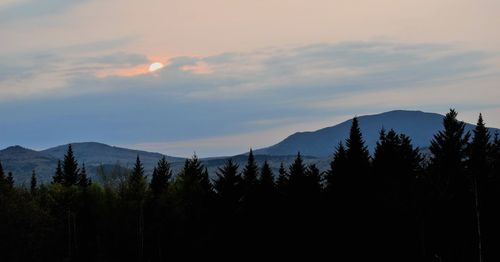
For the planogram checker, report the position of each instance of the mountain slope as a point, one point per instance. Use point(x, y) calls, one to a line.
point(93, 153)
point(420, 126)
point(22, 161)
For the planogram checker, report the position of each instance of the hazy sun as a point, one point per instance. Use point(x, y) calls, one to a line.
point(155, 66)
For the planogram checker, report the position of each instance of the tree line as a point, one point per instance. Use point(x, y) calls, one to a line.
point(394, 205)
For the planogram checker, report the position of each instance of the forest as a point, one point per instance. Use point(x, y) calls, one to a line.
point(396, 204)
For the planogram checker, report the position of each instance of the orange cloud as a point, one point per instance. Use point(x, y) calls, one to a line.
point(127, 72)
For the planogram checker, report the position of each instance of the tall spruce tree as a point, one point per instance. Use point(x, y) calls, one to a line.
point(83, 180)
point(297, 177)
point(70, 168)
point(337, 169)
point(449, 148)
point(357, 156)
point(192, 183)
point(58, 177)
point(228, 185)
point(266, 180)
point(161, 177)
point(282, 181)
point(136, 182)
point(479, 169)
point(250, 172)
point(453, 204)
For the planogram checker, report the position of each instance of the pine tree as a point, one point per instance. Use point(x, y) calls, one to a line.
point(453, 203)
point(448, 148)
point(70, 168)
point(136, 182)
point(282, 181)
point(192, 183)
point(33, 183)
point(297, 177)
point(357, 154)
point(58, 177)
point(250, 172)
point(337, 169)
point(312, 185)
point(83, 180)
point(479, 169)
point(228, 185)
point(266, 181)
point(161, 177)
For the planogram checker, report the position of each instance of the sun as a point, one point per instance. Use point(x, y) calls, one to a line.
point(155, 66)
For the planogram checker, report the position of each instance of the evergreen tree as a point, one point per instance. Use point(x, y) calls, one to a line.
point(448, 149)
point(136, 182)
point(33, 183)
point(395, 166)
point(479, 169)
point(312, 184)
point(358, 158)
point(453, 204)
point(266, 181)
point(337, 169)
point(282, 181)
point(58, 177)
point(192, 183)
point(250, 172)
point(160, 178)
point(70, 168)
point(297, 177)
point(83, 180)
point(228, 185)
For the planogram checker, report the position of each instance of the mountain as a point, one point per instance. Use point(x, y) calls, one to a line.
point(22, 161)
point(93, 154)
point(420, 126)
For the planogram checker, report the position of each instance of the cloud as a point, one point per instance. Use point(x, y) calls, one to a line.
point(269, 90)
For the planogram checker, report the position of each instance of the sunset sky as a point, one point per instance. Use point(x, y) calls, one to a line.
point(237, 74)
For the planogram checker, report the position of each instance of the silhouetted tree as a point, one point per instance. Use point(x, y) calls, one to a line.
point(266, 181)
point(58, 177)
point(228, 186)
point(249, 176)
point(297, 178)
point(337, 171)
point(396, 165)
point(161, 177)
point(136, 182)
point(479, 169)
point(453, 203)
point(83, 180)
point(282, 181)
point(70, 168)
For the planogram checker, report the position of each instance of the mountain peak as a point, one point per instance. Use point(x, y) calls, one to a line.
point(418, 125)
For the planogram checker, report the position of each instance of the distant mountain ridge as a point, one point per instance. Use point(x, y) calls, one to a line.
point(419, 126)
point(316, 147)
point(22, 161)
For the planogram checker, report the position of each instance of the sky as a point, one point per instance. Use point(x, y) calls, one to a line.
point(237, 74)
